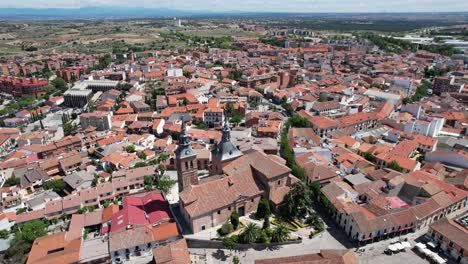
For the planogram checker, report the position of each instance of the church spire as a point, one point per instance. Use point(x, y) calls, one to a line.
point(184, 137)
point(186, 161)
point(226, 131)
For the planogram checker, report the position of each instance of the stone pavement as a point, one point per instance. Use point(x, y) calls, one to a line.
point(332, 238)
point(308, 246)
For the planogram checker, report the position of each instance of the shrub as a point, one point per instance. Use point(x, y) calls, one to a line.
point(395, 166)
point(13, 181)
point(250, 233)
point(225, 229)
point(266, 223)
point(130, 149)
point(57, 186)
point(280, 234)
point(319, 227)
point(263, 209)
point(230, 243)
point(235, 219)
point(235, 238)
point(4, 234)
point(262, 237)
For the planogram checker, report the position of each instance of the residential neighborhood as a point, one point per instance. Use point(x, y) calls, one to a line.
point(283, 145)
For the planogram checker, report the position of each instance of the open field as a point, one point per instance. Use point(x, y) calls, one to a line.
point(101, 36)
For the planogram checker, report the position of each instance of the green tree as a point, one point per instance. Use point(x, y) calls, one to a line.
point(68, 128)
point(130, 149)
point(323, 97)
point(4, 234)
point(263, 209)
point(298, 121)
point(57, 186)
point(236, 119)
point(235, 219)
point(164, 184)
point(230, 243)
point(297, 201)
point(17, 251)
point(140, 164)
point(59, 84)
point(368, 156)
point(312, 219)
point(162, 157)
point(280, 234)
point(395, 166)
point(161, 170)
point(95, 181)
point(314, 188)
point(266, 223)
point(229, 108)
point(148, 181)
point(31, 230)
point(235, 75)
point(13, 181)
point(235, 260)
point(142, 155)
point(250, 233)
point(288, 107)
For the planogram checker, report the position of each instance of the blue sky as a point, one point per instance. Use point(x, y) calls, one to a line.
point(261, 5)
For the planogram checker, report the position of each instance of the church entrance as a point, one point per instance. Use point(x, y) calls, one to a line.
point(241, 210)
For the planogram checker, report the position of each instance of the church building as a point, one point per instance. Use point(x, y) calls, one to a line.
point(237, 183)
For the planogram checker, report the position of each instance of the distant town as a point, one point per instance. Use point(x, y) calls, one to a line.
point(234, 140)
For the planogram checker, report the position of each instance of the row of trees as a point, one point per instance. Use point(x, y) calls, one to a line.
point(435, 71)
point(274, 42)
point(25, 235)
point(421, 92)
point(285, 149)
point(392, 165)
point(398, 46)
point(24, 101)
point(255, 234)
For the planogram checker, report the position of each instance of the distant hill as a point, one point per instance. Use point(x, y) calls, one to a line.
point(93, 12)
point(110, 12)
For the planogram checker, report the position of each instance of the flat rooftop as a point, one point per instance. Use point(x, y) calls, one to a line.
point(93, 249)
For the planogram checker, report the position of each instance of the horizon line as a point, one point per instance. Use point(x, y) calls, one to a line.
point(242, 11)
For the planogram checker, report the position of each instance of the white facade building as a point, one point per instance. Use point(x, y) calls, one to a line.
point(427, 128)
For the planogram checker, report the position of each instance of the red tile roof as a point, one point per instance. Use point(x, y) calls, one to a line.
point(139, 209)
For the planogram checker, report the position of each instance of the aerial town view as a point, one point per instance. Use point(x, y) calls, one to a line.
point(221, 131)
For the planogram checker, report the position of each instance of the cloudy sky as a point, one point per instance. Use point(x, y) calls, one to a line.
point(261, 5)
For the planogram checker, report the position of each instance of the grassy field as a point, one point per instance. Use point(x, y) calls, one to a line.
point(99, 36)
point(219, 32)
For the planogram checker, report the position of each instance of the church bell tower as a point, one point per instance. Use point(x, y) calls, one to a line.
point(186, 161)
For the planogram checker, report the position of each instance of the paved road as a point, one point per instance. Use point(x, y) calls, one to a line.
point(332, 238)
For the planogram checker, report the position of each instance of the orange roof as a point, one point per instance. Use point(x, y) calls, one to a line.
point(165, 231)
point(172, 253)
point(110, 140)
point(55, 249)
point(323, 122)
point(108, 212)
point(356, 118)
